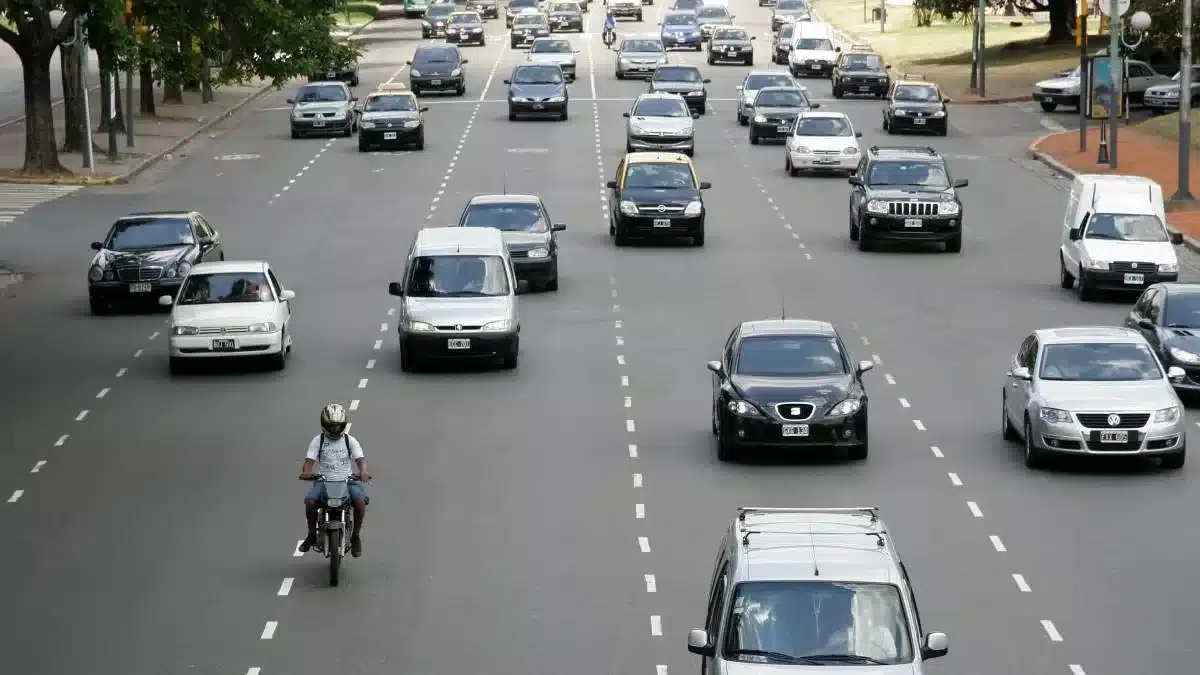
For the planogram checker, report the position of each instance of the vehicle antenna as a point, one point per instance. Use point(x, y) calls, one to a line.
point(782, 307)
point(505, 186)
point(813, 543)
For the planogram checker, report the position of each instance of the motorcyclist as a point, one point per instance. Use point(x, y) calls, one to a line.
point(610, 26)
point(335, 453)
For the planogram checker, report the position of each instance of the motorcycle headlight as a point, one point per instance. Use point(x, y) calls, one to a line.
point(1168, 267)
point(846, 407)
point(183, 330)
point(497, 326)
point(414, 73)
point(628, 208)
point(334, 503)
point(96, 273)
point(948, 208)
point(877, 206)
point(420, 327)
point(759, 119)
point(456, 72)
point(1183, 356)
point(743, 409)
point(538, 253)
point(694, 209)
point(1055, 416)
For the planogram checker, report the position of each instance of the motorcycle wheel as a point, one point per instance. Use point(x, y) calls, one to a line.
point(335, 556)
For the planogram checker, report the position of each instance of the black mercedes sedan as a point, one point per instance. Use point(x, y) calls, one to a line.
point(788, 383)
point(146, 255)
point(465, 28)
point(537, 89)
point(566, 15)
point(531, 237)
point(1168, 316)
point(775, 112)
point(730, 44)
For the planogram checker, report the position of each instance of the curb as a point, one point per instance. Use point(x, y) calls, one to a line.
point(1191, 243)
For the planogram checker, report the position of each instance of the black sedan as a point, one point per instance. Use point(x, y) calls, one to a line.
point(531, 237)
point(347, 73)
point(537, 89)
point(465, 28)
point(146, 255)
point(1168, 316)
point(788, 384)
point(487, 9)
point(566, 16)
point(731, 45)
point(687, 81)
point(775, 112)
point(916, 106)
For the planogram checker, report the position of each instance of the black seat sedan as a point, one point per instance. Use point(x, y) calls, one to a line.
point(788, 384)
point(1168, 316)
point(525, 224)
point(539, 90)
point(730, 44)
point(775, 111)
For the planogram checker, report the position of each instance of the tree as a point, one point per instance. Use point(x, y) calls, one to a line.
point(1062, 13)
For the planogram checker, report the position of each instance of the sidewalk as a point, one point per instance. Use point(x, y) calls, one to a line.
point(1138, 154)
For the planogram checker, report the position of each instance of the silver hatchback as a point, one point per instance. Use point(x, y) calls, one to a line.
point(660, 122)
point(1097, 391)
point(639, 57)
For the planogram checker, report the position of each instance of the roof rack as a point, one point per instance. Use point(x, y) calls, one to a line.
point(913, 76)
point(872, 511)
point(861, 48)
point(929, 150)
point(873, 528)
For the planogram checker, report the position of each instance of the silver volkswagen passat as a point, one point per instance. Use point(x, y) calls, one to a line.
point(1097, 391)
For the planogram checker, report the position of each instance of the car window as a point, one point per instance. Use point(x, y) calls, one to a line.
point(436, 55)
point(390, 103)
point(275, 282)
point(712, 13)
point(538, 75)
point(927, 174)
point(457, 276)
point(676, 74)
point(790, 356)
point(225, 287)
point(506, 217)
point(791, 4)
point(661, 176)
point(679, 19)
point(322, 93)
point(730, 34)
point(823, 126)
point(1125, 227)
point(660, 107)
point(565, 7)
point(529, 20)
point(818, 44)
point(1099, 362)
point(862, 62)
point(686, 4)
point(203, 229)
point(141, 234)
point(917, 94)
point(1182, 311)
point(439, 12)
point(551, 47)
point(780, 98)
point(641, 46)
point(785, 32)
point(1195, 75)
point(467, 19)
point(762, 80)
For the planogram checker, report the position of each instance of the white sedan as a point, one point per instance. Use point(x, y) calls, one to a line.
point(822, 141)
point(230, 309)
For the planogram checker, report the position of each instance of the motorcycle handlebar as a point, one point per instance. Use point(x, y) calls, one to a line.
point(316, 477)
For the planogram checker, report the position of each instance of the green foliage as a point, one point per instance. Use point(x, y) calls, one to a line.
point(1167, 17)
point(371, 9)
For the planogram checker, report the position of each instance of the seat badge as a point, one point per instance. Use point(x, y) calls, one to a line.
point(1114, 420)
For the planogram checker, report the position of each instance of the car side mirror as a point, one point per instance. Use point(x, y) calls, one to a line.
point(753, 37)
point(624, 114)
point(464, 62)
point(888, 67)
point(557, 227)
point(1073, 235)
point(424, 108)
point(507, 81)
point(1176, 374)
point(1020, 373)
point(864, 366)
point(166, 300)
point(396, 288)
point(408, 63)
point(353, 99)
point(945, 99)
point(858, 134)
point(961, 183)
point(854, 180)
point(290, 101)
point(96, 246)
point(814, 106)
point(286, 295)
point(715, 366)
point(934, 645)
point(695, 115)
point(706, 81)
point(705, 185)
point(1146, 323)
point(611, 185)
point(837, 49)
point(1176, 238)
point(698, 643)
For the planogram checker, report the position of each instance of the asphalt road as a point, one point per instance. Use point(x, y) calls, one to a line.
point(559, 516)
point(12, 82)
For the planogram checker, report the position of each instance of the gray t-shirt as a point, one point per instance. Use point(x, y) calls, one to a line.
point(334, 456)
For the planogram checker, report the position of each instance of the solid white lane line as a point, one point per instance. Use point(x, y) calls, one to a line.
point(955, 480)
point(81, 416)
point(378, 345)
point(629, 426)
point(268, 631)
point(1021, 583)
point(103, 392)
point(296, 552)
point(1077, 669)
point(918, 425)
point(628, 401)
point(639, 511)
point(889, 378)
point(1051, 631)
point(121, 373)
point(633, 453)
point(997, 544)
point(974, 508)
point(61, 440)
point(371, 364)
point(937, 452)
point(38, 467)
point(651, 584)
point(137, 354)
point(655, 625)
point(286, 586)
point(620, 359)
point(624, 380)
point(16, 496)
point(362, 384)
point(354, 405)
point(904, 403)
point(637, 480)
point(644, 544)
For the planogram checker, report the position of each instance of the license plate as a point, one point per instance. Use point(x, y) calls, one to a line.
point(538, 106)
point(785, 127)
point(139, 288)
point(389, 135)
point(1114, 436)
point(331, 75)
point(662, 222)
point(459, 343)
point(912, 222)
point(224, 345)
point(318, 124)
point(864, 89)
point(824, 162)
point(815, 66)
point(795, 430)
point(919, 122)
point(679, 40)
point(435, 82)
point(1135, 278)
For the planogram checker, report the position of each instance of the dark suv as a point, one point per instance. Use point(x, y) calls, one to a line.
point(860, 72)
point(905, 194)
point(437, 68)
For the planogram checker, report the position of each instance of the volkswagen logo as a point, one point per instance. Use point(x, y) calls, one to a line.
point(1114, 420)
point(662, 208)
point(1133, 265)
point(459, 327)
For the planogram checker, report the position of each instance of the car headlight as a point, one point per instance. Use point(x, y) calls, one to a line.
point(900, 113)
point(1167, 415)
point(629, 208)
point(694, 208)
point(1072, 91)
point(497, 326)
point(426, 24)
point(759, 119)
point(556, 99)
point(414, 73)
point(1168, 267)
point(263, 327)
point(800, 149)
point(180, 269)
point(852, 150)
point(456, 72)
point(1090, 264)
point(948, 208)
point(183, 330)
point(743, 409)
point(846, 407)
point(877, 206)
point(938, 113)
point(476, 30)
point(412, 124)
point(451, 30)
point(1056, 416)
point(845, 78)
point(366, 125)
point(1183, 356)
point(420, 327)
point(96, 273)
point(623, 61)
point(538, 253)
point(296, 114)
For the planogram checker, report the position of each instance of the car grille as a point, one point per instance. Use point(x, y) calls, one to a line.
point(128, 274)
point(518, 254)
point(864, 80)
point(827, 153)
point(780, 120)
point(913, 209)
point(1100, 420)
point(795, 412)
point(312, 115)
point(457, 327)
point(662, 139)
point(1052, 91)
point(1129, 266)
point(223, 331)
point(660, 209)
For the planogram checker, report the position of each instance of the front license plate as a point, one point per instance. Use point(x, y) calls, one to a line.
point(662, 222)
point(389, 135)
point(139, 288)
point(435, 82)
point(919, 122)
point(795, 430)
point(1114, 436)
point(538, 106)
point(824, 162)
point(785, 127)
point(679, 41)
point(864, 89)
point(912, 222)
point(224, 345)
point(1135, 278)
point(460, 343)
point(318, 124)
point(814, 66)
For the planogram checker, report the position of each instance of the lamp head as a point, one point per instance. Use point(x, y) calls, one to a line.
point(56, 17)
point(1140, 22)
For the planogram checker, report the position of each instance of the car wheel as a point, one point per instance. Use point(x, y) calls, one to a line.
point(362, 146)
point(865, 243)
point(1175, 460)
point(1035, 457)
point(1065, 280)
point(354, 81)
point(99, 307)
point(698, 238)
point(787, 166)
point(753, 138)
point(742, 119)
point(551, 283)
point(944, 131)
point(1007, 432)
point(837, 93)
point(727, 451)
point(510, 359)
point(407, 363)
point(639, 16)
point(622, 239)
point(512, 115)
point(295, 134)
point(620, 75)
point(854, 231)
point(955, 244)
point(711, 61)
point(1049, 106)
point(565, 115)
point(176, 365)
point(858, 453)
point(750, 61)
point(713, 422)
point(279, 361)
point(462, 90)
point(1082, 288)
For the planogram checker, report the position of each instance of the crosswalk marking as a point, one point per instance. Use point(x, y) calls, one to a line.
point(16, 199)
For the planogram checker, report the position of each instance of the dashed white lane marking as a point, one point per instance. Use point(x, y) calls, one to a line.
point(637, 480)
point(997, 544)
point(16, 496)
point(655, 625)
point(955, 480)
point(268, 631)
point(904, 403)
point(1077, 669)
point(620, 359)
point(633, 451)
point(628, 401)
point(616, 308)
point(889, 378)
point(1051, 631)
point(253, 671)
point(121, 372)
point(878, 361)
point(974, 509)
point(617, 325)
point(81, 416)
point(1021, 583)
point(383, 328)
point(644, 544)
point(354, 405)
point(865, 341)
point(651, 584)
point(391, 311)
point(629, 426)
point(378, 345)
point(103, 392)
point(919, 425)
point(296, 552)
point(937, 452)
point(362, 384)
point(624, 380)
point(38, 466)
point(137, 354)
point(370, 364)
point(61, 440)
point(620, 341)
point(639, 511)
point(154, 335)
point(286, 586)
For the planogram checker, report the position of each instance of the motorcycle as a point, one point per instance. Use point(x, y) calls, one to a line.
point(335, 523)
point(609, 37)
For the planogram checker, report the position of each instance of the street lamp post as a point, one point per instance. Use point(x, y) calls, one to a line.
point(1139, 23)
point(79, 41)
point(1184, 191)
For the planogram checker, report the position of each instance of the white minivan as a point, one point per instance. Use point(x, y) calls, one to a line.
point(1115, 237)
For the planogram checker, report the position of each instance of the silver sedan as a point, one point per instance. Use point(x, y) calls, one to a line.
point(1096, 391)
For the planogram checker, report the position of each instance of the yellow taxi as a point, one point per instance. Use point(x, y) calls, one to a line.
point(391, 117)
point(656, 195)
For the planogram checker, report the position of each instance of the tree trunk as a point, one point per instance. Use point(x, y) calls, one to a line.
point(119, 114)
point(41, 150)
point(106, 94)
point(1010, 8)
point(68, 58)
point(1061, 22)
point(146, 93)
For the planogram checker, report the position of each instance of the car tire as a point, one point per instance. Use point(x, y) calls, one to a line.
point(944, 131)
point(407, 363)
point(698, 239)
point(279, 361)
point(362, 146)
point(349, 131)
point(750, 61)
point(1007, 432)
point(551, 283)
point(698, 48)
point(621, 239)
point(176, 365)
point(1083, 289)
point(865, 243)
point(837, 93)
point(854, 229)
point(727, 451)
point(787, 166)
point(295, 134)
point(1065, 280)
point(512, 115)
point(639, 17)
point(512, 44)
point(462, 90)
point(1035, 457)
point(420, 143)
point(753, 138)
point(99, 307)
point(1174, 460)
point(565, 115)
point(354, 81)
point(742, 120)
point(510, 359)
point(711, 61)
point(620, 75)
point(1049, 106)
point(954, 245)
point(690, 152)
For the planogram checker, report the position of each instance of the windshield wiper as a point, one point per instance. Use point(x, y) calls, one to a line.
point(846, 658)
point(774, 656)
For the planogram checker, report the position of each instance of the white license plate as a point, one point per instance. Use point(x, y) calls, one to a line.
point(1114, 436)
point(460, 343)
point(435, 82)
point(224, 345)
point(389, 135)
point(679, 40)
point(912, 222)
point(815, 66)
point(919, 121)
point(824, 162)
point(785, 127)
point(662, 222)
point(795, 430)
point(864, 89)
point(1135, 278)
point(318, 124)
point(139, 288)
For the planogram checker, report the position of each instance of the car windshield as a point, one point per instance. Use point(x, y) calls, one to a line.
point(686, 4)
point(790, 356)
point(780, 98)
point(756, 82)
point(439, 12)
point(225, 287)
point(141, 234)
point(518, 4)
point(1182, 311)
point(1125, 227)
point(538, 75)
point(565, 7)
point(817, 623)
point(791, 4)
point(466, 20)
point(785, 32)
point(824, 126)
point(677, 74)
point(322, 93)
point(506, 217)
point(390, 103)
point(730, 34)
point(458, 276)
point(1099, 362)
point(661, 107)
point(641, 46)
point(712, 13)
point(551, 47)
point(925, 174)
point(872, 62)
point(918, 93)
point(435, 55)
point(1195, 76)
point(681, 19)
point(665, 176)
point(816, 44)
point(529, 20)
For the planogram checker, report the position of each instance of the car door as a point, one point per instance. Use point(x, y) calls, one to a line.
point(1141, 77)
point(858, 192)
point(207, 239)
point(716, 608)
point(1073, 248)
point(1019, 389)
point(284, 308)
point(614, 201)
point(726, 364)
point(1153, 314)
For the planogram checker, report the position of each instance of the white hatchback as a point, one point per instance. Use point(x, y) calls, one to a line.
point(822, 141)
point(230, 309)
